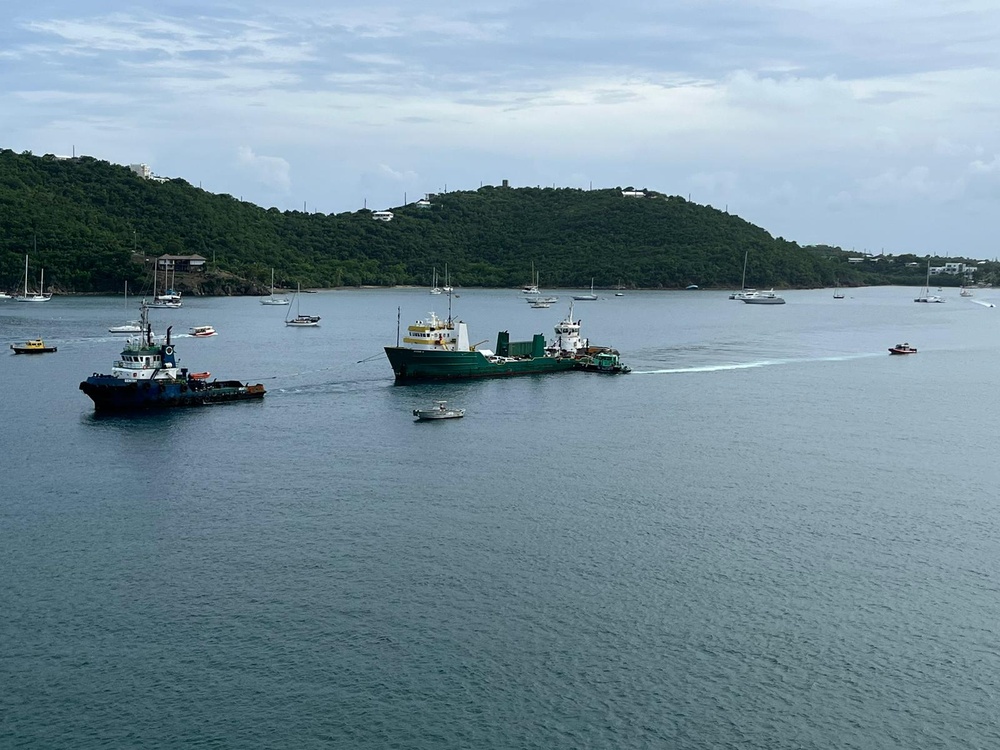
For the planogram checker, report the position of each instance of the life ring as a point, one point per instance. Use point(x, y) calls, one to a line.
point(169, 350)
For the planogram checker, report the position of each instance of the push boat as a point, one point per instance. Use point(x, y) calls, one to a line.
point(440, 411)
point(902, 349)
point(35, 346)
point(606, 362)
point(440, 349)
point(148, 377)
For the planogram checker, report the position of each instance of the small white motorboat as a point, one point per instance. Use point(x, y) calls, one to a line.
point(441, 411)
point(202, 331)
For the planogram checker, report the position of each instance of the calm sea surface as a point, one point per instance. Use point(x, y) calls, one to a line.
point(770, 535)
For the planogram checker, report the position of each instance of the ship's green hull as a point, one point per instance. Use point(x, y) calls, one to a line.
point(410, 365)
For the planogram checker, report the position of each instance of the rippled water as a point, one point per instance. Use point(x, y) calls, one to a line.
point(771, 534)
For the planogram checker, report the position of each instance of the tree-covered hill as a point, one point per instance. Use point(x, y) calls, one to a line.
point(91, 224)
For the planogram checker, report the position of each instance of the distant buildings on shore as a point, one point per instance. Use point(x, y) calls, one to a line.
point(146, 173)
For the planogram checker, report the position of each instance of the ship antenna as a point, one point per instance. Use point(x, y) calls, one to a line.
point(147, 329)
point(449, 307)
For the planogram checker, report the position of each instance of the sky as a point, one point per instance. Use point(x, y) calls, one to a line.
point(870, 125)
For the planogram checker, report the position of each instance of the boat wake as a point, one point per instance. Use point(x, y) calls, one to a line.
point(752, 365)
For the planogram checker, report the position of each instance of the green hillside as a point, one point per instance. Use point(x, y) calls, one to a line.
point(82, 219)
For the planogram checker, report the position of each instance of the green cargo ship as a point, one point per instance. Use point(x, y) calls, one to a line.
point(436, 349)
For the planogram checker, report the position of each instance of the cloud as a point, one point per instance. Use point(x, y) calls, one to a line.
point(407, 176)
point(873, 105)
point(272, 171)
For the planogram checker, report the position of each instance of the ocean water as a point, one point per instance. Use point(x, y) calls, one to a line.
point(770, 535)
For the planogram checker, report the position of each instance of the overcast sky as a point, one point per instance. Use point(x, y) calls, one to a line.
point(870, 125)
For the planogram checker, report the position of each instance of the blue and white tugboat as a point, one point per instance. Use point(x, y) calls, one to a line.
point(147, 377)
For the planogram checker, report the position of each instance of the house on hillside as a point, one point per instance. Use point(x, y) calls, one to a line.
point(382, 215)
point(181, 263)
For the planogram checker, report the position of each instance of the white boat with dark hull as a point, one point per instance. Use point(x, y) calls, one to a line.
point(148, 375)
point(440, 411)
point(300, 320)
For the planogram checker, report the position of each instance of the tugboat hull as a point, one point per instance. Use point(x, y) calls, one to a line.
point(115, 394)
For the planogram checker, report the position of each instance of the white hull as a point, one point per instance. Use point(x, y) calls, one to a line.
point(272, 300)
point(441, 411)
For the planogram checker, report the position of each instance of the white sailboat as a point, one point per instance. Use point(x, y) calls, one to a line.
point(532, 286)
point(40, 296)
point(584, 297)
point(447, 289)
point(926, 296)
point(300, 320)
point(744, 292)
point(435, 289)
point(163, 300)
point(271, 299)
point(133, 326)
point(170, 295)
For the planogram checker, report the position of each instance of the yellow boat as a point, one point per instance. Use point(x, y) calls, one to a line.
point(35, 346)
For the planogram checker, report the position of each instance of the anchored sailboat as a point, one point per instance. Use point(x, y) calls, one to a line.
point(271, 299)
point(926, 296)
point(300, 320)
point(40, 296)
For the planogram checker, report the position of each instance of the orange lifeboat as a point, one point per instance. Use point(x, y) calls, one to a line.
point(199, 375)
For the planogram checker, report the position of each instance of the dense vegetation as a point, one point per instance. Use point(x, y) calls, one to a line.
point(91, 224)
